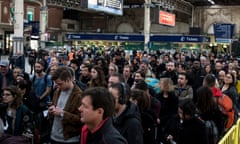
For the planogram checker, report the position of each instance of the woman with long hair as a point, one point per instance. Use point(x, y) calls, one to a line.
point(140, 98)
point(169, 107)
point(15, 111)
point(209, 110)
point(208, 69)
point(97, 77)
point(193, 130)
point(229, 89)
point(148, 117)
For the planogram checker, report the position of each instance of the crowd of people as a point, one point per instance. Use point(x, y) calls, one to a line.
point(106, 96)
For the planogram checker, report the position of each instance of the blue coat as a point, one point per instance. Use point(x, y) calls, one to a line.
point(22, 111)
point(19, 124)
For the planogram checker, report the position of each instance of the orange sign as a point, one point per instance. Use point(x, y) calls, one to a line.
point(166, 18)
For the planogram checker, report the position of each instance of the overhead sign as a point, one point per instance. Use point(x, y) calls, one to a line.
point(109, 6)
point(135, 37)
point(113, 37)
point(166, 18)
point(224, 32)
point(178, 38)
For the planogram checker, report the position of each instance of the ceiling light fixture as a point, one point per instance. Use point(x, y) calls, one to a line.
point(211, 1)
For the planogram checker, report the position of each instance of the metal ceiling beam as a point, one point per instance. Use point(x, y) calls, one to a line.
point(179, 5)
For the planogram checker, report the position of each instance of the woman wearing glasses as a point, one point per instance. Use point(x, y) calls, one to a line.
point(16, 114)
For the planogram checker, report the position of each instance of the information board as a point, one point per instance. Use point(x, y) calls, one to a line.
point(166, 18)
point(109, 6)
point(223, 32)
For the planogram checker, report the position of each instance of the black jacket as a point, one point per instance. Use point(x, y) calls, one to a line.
point(196, 80)
point(168, 112)
point(192, 132)
point(129, 124)
point(106, 134)
point(169, 106)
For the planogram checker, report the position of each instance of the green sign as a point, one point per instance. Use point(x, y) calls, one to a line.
point(158, 45)
point(12, 11)
point(133, 45)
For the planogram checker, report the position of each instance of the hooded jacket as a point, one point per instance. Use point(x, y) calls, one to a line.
point(128, 123)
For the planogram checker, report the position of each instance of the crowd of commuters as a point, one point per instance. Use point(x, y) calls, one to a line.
point(103, 96)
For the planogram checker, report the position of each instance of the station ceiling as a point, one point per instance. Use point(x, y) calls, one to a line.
point(194, 2)
point(217, 2)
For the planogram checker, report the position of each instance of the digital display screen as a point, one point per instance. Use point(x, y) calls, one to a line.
point(108, 6)
point(166, 18)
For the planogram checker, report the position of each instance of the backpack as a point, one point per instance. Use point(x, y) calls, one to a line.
point(153, 84)
point(211, 132)
point(149, 125)
point(225, 105)
point(40, 105)
point(45, 79)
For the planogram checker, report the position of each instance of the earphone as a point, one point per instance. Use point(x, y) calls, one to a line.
point(122, 98)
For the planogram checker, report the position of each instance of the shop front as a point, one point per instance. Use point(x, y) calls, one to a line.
point(127, 42)
point(136, 42)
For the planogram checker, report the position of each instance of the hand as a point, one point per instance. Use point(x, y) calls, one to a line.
point(55, 110)
point(169, 137)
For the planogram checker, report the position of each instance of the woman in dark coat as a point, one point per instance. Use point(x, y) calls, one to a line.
point(208, 109)
point(169, 107)
point(229, 89)
point(15, 111)
point(192, 129)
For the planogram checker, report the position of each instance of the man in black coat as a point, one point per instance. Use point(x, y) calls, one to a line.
point(127, 118)
point(96, 110)
point(196, 77)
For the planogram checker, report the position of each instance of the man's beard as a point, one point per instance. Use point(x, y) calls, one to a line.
point(38, 71)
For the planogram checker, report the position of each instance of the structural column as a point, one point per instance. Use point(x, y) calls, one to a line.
point(18, 27)
point(147, 24)
point(43, 24)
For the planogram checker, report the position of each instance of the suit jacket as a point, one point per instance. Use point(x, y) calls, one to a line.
point(71, 118)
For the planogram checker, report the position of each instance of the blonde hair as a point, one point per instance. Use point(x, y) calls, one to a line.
point(115, 67)
point(167, 84)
